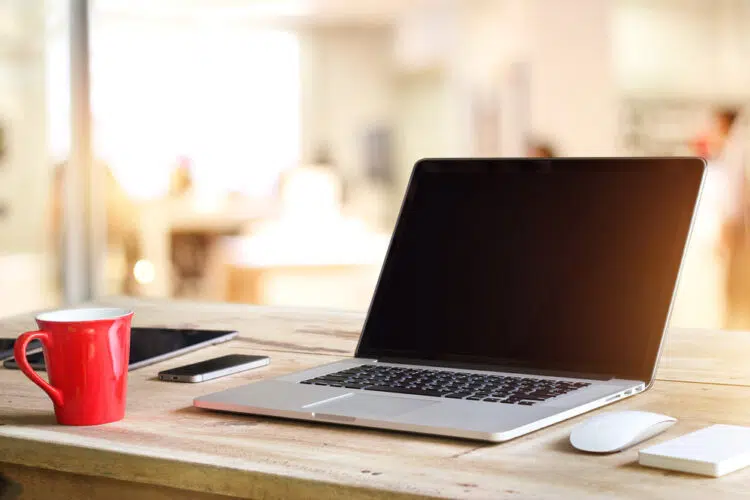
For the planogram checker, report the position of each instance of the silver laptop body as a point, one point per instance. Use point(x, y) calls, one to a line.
point(516, 293)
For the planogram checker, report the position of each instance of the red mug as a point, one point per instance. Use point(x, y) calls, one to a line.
point(86, 353)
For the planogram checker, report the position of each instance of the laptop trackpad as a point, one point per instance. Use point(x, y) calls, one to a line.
point(367, 406)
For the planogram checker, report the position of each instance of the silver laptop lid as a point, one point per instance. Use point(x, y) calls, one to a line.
point(563, 266)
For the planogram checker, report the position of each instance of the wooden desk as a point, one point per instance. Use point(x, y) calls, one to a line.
point(165, 448)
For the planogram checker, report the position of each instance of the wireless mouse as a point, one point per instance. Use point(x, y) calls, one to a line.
point(614, 431)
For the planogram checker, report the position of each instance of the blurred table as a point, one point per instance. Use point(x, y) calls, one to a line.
point(181, 238)
point(338, 286)
point(306, 266)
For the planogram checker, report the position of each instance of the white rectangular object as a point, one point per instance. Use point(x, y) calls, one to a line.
point(713, 451)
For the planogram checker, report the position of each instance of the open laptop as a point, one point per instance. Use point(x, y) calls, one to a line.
point(516, 293)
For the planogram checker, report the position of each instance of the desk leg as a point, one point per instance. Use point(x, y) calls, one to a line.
point(27, 483)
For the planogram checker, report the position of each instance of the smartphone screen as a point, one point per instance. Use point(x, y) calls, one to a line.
point(212, 365)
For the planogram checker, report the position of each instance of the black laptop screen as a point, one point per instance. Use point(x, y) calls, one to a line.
point(562, 265)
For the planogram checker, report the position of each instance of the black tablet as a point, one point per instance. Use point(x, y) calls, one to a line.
point(6, 347)
point(151, 345)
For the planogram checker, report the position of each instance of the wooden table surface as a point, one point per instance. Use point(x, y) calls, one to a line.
point(165, 448)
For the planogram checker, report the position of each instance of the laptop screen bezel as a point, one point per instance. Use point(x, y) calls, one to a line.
point(652, 345)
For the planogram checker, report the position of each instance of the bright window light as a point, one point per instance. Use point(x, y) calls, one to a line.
point(225, 97)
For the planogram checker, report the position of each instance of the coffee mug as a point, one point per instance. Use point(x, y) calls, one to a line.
point(86, 353)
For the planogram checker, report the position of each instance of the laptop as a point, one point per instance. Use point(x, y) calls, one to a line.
point(515, 294)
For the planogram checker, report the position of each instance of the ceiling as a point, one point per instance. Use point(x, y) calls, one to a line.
point(377, 12)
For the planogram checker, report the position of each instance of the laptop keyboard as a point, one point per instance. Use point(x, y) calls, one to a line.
point(489, 388)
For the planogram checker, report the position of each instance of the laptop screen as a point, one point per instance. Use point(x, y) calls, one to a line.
point(563, 265)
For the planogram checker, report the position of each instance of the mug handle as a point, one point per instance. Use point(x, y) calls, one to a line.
point(19, 351)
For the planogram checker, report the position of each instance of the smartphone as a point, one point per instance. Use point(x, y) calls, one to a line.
point(6, 347)
point(214, 368)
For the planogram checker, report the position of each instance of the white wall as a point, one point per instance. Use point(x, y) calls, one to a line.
point(25, 284)
point(573, 87)
point(547, 63)
point(26, 270)
point(24, 172)
point(423, 121)
point(582, 56)
point(683, 47)
point(346, 86)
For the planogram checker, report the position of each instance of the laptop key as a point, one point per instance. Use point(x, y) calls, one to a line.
point(452, 385)
point(405, 390)
point(458, 395)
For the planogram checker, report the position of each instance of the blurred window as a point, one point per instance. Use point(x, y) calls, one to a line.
point(224, 96)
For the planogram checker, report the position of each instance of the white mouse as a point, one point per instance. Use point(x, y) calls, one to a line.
point(617, 430)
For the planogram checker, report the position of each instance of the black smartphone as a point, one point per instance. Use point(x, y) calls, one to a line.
point(214, 368)
point(6, 347)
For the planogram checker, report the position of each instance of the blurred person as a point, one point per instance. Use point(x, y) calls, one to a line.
point(122, 224)
point(540, 149)
point(724, 122)
point(727, 152)
point(711, 144)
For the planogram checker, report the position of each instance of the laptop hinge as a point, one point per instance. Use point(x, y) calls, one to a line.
point(494, 368)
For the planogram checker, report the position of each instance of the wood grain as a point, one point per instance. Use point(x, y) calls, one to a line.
point(27, 483)
point(167, 443)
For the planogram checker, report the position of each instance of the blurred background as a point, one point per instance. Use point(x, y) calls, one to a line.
point(256, 151)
